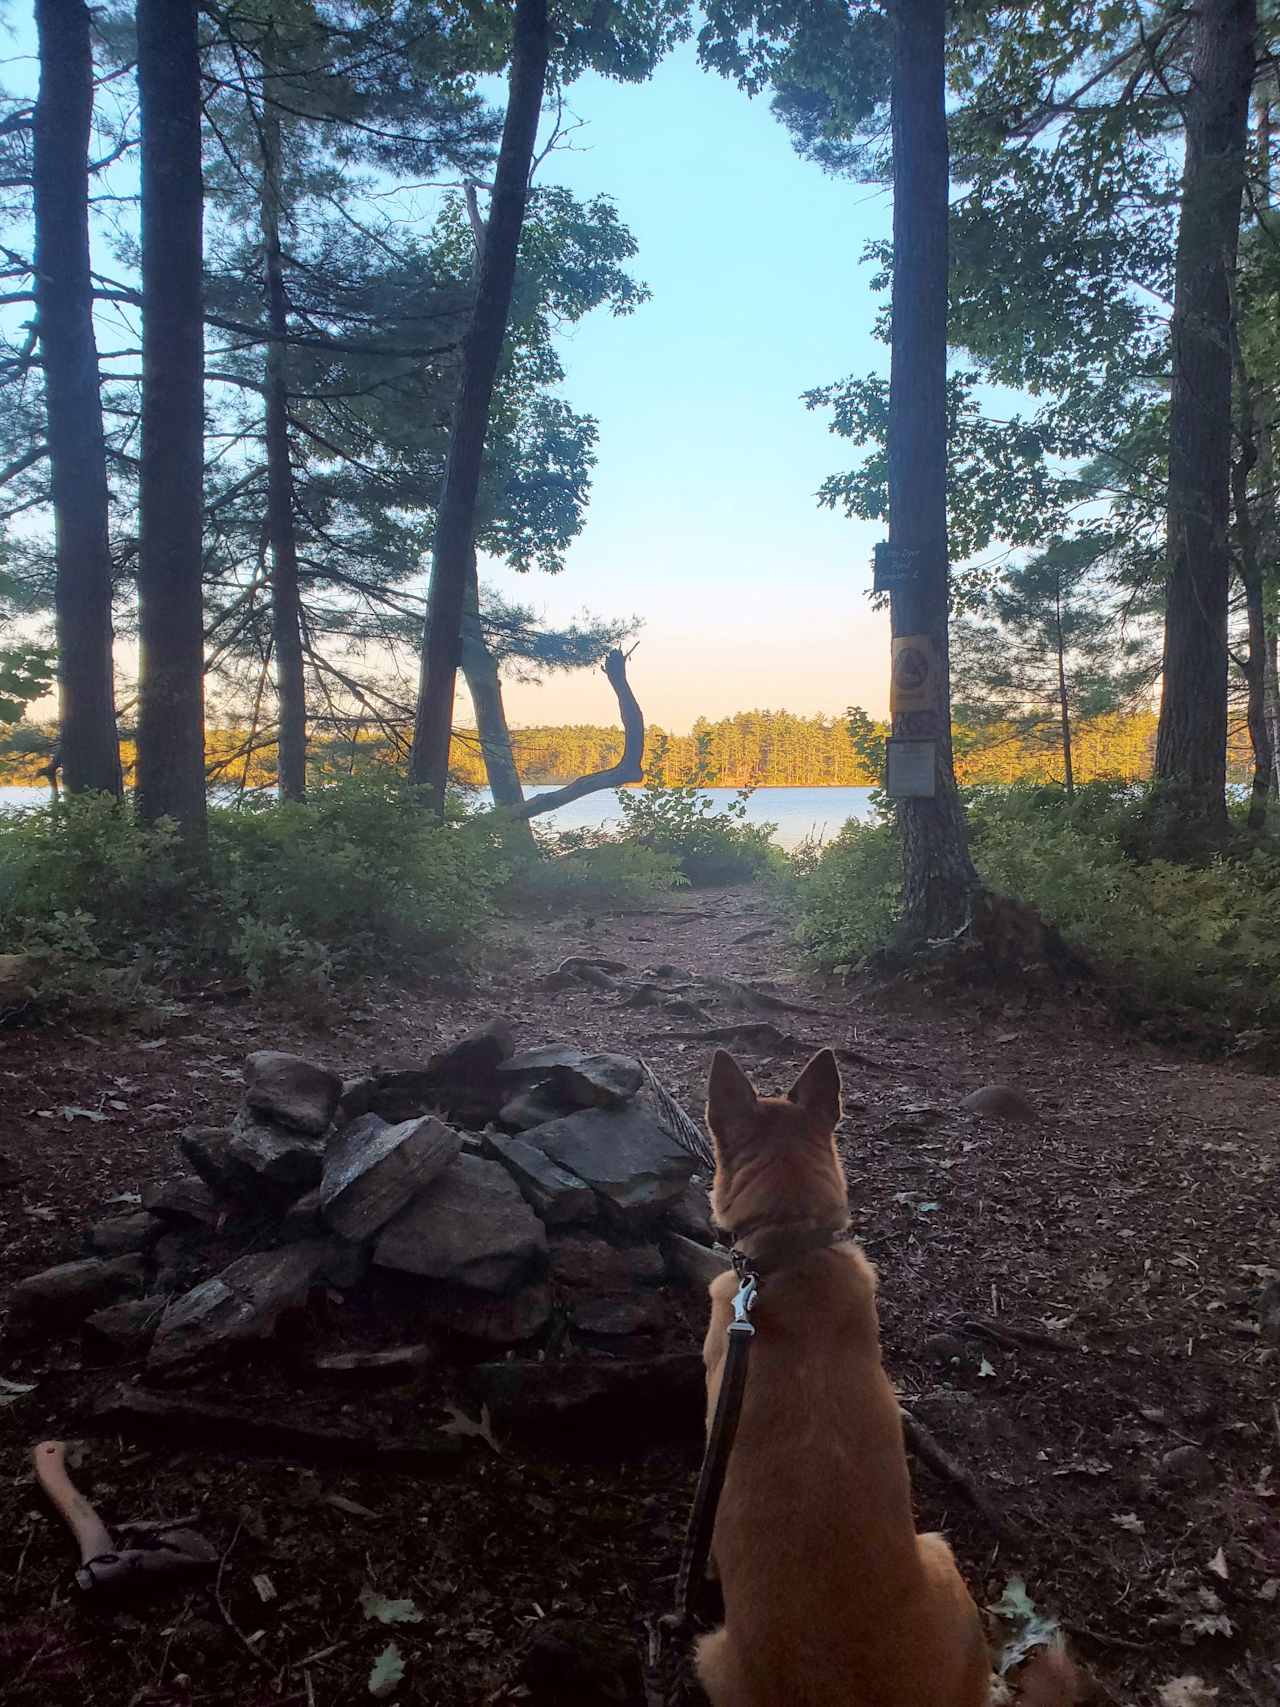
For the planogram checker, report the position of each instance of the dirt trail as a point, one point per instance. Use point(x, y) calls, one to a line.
point(1071, 1307)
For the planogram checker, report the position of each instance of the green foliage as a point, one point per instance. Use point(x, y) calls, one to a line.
point(574, 868)
point(26, 672)
point(1205, 936)
point(711, 846)
point(357, 879)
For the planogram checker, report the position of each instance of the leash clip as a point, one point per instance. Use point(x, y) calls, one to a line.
point(743, 1300)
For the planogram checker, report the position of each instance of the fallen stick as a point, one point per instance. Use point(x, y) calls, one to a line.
point(943, 1465)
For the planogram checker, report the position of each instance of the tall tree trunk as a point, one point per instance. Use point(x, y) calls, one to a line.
point(286, 610)
point(89, 749)
point(484, 684)
point(939, 880)
point(1068, 772)
point(171, 780)
point(1272, 691)
point(481, 354)
point(1191, 737)
point(1254, 664)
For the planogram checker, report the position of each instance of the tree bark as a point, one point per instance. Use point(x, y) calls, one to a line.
point(484, 684)
point(1068, 771)
point(1254, 664)
point(286, 609)
point(629, 768)
point(481, 354)
point(939, 880)
point(1191, 736)
point(171, 778)
point(77, 451)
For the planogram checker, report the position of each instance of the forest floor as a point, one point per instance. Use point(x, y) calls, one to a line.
point(1070, 1306)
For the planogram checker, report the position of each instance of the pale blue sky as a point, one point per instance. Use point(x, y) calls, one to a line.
point(703, 520)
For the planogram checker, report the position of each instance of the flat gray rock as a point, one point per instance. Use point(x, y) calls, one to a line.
point(206, 1148)
point(301, 1220)
point(618, 1313)
point(554, 1194)
point(489, 1319)
point(120, 1234)
point(187, 1199)
point(263, 1154)
point(296, 1092)
point(64, 1295)
point(376, 1368)
point(697, 1265)
point(124, 1330)
point(471, 1226)
point(624, 1155)
point(241, 1306)
point(590, 1264)
point(372, 1170)
point(690, 1213)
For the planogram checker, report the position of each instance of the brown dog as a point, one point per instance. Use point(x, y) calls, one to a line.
point(831, 1598)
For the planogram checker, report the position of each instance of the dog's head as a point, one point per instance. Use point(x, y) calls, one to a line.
point(776, 1161)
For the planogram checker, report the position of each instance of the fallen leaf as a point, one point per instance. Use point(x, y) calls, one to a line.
point(1032, 1629)
point(265, 1587)
point(69, 1112)
point(377, 1606)
point(1131, 1521)
point(1218, 1564)
point(986, 1369)
point(12, 1391)
point(1211, 1624)
point(460, 1423)
point(1187, 1692)
point(352, 1508)
point(1270, 1589)
point(388, 1669)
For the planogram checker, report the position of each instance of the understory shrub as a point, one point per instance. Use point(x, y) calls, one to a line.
point(1205, 935)
point(355, 879)
point(712, 845)
point(592, 868)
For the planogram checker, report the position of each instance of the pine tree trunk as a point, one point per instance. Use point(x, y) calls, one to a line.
point(1191, 739)
point(171, 778)
point(88, 746)
point(286, 609)
point(939, 881)
point(481, 354)
point(1273, 701)
point(484, 684)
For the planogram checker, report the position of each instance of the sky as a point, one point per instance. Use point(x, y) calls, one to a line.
point(703, 520)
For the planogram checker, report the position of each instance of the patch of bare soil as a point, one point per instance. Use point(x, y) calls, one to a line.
point(1070, 1306)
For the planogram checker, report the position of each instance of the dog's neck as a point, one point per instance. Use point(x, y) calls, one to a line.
point(763, 1247)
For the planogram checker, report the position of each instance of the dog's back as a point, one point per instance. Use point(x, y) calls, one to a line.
point(831, 1599)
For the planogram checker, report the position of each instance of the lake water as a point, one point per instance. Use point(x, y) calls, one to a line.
point(798, 812)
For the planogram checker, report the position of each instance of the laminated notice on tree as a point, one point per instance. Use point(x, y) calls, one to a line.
point(913, 677)
point(911, 769)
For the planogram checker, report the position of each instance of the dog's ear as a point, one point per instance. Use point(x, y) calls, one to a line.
point(730, 1098)
point(817, 1090)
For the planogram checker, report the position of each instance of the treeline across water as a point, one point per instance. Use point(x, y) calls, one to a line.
point(750, 749)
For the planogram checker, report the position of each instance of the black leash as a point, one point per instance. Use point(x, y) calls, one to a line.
point(668, 1636)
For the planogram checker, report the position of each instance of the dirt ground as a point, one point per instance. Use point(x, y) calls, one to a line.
point(1070, 1306)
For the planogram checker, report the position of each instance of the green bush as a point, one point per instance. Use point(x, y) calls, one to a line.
point(356, 879)
point(711, 846)
point(849, 897)
point(592, 868)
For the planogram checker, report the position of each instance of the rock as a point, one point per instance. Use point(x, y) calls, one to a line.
point(571, 1079)
point(583, 1261)
point(262, 1154)
point(624, 1155)
point(176, 1256)
point(372, 1170)
point(531, 1108)
point(405, 1094)
point(595, 1404)
point(120, 1234)
point(576, 970)
point(241, 1306)
point(19, 980)
point(558, 1197)
point(690, 1213)
point(471, 1226)
point(206, 1147)
point(357, 1098)
point(1187, 1467)
point(481, 1316)
point(475, 1057)
point(1000, 1102)
point(288, 1089)
point(376, 1368)
point(346, 1266)
point(947, 1349)
point(301, 1220)
point(61, 1297)
point(185, 1199)
point(618, 1313)
point(124, 1330)
point(697, 1265)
